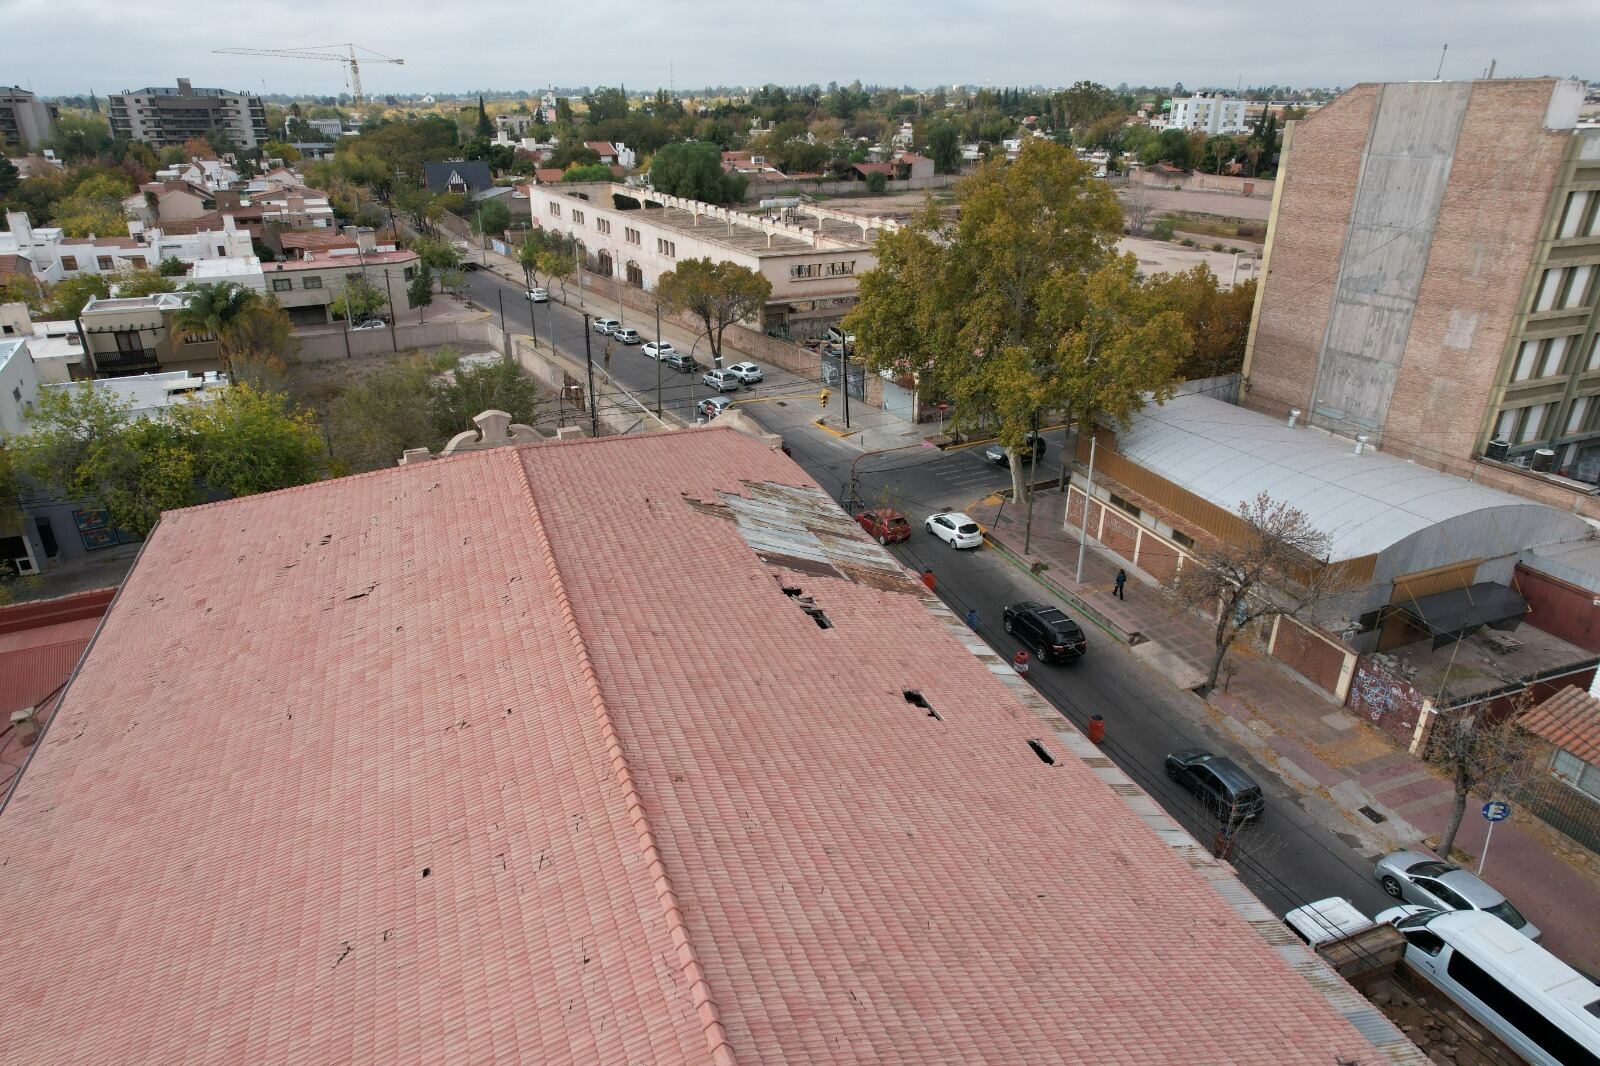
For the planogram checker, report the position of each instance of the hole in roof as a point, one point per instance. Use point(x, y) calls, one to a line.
point(790, 590)
point(1043, 753)
point(426, 870)
point(822, 620)
point(917, 699)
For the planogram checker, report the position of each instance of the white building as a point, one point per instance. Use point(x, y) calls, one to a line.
point(54, 256)
point(19, 386)
point(153, 395)
point(243, 270)
point(208, 174)
point(1209, 114)
point(56, 347)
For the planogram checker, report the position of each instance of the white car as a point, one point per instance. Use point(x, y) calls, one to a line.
point(658, 349)
point(722, 380)
point(1327, 919)
point(712, 406)
point(371, 323)
point(539, 296)
point(749, 373)
point(605, 325)
point(955, 529)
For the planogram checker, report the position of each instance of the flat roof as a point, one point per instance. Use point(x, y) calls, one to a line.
point(1365, 503)
point(388, 768)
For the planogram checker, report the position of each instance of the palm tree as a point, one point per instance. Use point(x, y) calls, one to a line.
point(216, 311)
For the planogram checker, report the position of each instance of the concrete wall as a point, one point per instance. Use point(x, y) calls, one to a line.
point(323, 345)
point(1195, 181)
point(764, 190)
point(1560, 608)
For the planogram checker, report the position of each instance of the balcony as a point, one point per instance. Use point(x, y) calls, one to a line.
point(126, 361)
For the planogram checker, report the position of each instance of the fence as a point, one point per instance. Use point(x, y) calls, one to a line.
point(340, 344)
point(617, 410)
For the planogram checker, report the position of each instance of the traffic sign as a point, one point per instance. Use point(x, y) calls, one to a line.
point(1496, 810)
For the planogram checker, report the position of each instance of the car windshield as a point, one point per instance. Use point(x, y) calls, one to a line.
point(1508, 914)
point(969, 527)
point(1415, 921)
point(897, 523)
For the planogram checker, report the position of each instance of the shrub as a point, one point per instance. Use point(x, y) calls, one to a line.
point(1162, 230)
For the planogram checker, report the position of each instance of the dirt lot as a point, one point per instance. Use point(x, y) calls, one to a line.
point(1220, 204)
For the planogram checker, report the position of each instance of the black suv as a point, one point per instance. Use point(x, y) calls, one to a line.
point(1032, 450)
point(1047, 630)
point(1223, 788)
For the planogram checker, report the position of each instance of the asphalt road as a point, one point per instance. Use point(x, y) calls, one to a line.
point(1295, 855)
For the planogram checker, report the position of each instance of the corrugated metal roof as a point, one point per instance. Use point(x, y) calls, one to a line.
point(1365, 503)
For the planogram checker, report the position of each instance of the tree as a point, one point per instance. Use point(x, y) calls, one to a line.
point(10, 177)
point(1218, 319)
point(587, 172)
point(373, 421)
point(485, 127)
point(245, 442)
point(944, 148)
point(558, 267)
point(279, 150)
point(693, 169)
point(359, 301)
point(1486, 754)
point(419, 292)
point(718, 294)
point(492, 217)
point(436, 253)
point(1218, 153)
point(143, 283)
point(1137, 204)
point(572, 152)
point(421, 208)
point(606, 105)
point(502, 385)
point(877, 181)
point(1276, 567)
point(216, 311)
point(263, 336)
point(82, 215)
point(172, 267)
point(68, 296)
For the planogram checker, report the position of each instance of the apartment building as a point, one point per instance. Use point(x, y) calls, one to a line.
point(162, 117)
point(307, 286)
point(812, 257)
point(1210, 114)
point(53, 256)
point(25, 120)
point(134, 335)
point(1430, 277)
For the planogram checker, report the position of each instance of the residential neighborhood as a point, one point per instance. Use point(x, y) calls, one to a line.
point(638, 568)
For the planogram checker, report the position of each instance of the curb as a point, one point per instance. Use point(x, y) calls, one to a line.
point(840, 433)
point(1088, 612)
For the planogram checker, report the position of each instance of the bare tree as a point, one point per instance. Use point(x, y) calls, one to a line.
point(1484, 754)
point(1277, 569)
point(1137, 205)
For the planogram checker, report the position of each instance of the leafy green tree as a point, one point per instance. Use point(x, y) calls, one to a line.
point(64, 429)
point(419, 292)
point(606, 105)
point(245, 442)
point(944, 148)
point(359, 301)
point(1217, 319)
point(877, 181)
point(436, 254)
point(381, 415)
point(1219, 152)
point(693, 169)
point(145, 468)
point(403, 147)
point(1019, 308)
point(172, 267)
point(573, 152)
point(91, 216)
point(143, 283)
point(589, 172)
point(280, 150)
point(492, 216)
point(558, 267)
point(216, 311)
point(718, 294)
point(1081, 105)
point(503, 385)
point(10, 177)
point(1171, 146)
point(263, 335)
point(68, 296)
point(421, 208)
point(81, 137)
point(23, 289)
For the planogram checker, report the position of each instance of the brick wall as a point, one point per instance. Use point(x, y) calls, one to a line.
point(1120, 534)
point(1559, 608)
point(1318, 177)
point(1309, 655)
point(1390, 703)
point(1505, 167)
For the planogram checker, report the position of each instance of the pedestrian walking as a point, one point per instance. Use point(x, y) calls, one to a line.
point(1122, 579)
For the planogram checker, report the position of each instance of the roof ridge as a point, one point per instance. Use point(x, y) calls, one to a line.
point(688, 962)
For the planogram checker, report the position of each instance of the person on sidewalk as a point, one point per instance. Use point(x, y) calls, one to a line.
point(1122, 579)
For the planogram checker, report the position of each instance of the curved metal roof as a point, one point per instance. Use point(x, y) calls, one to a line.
point(1366, 503)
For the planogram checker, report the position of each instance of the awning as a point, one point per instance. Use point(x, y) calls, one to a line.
point(1459, 613)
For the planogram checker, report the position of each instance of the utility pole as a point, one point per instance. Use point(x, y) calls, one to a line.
point(1088, 494)
point(394, 323)
point(588, 362)
point(844, 376)
point(658, 358)
point(1027, 522)
point(577, 268)
point(505, 334)
point(616, 279)
point(533, 323)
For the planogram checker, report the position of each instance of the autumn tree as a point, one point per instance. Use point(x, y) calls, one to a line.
point(718, 294)
point(558, 267)
point(68, 296)
point(1485, 754)
point(359, 301)
point(216, 311)
point(1217, 318)
point(1137, 204)
point(1275, 567)
point(244, 441)
point(143, 283)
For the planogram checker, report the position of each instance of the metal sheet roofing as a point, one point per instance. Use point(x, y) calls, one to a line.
point(529, 756)
point(1365, 503)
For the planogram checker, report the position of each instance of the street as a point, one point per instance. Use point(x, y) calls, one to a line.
point(1291, 857)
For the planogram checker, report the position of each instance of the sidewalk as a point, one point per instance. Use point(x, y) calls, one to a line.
point(1315, 744)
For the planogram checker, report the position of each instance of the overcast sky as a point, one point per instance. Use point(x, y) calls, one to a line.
point(72, 46)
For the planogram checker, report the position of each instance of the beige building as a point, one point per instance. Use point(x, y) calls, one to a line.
point(308, 285)
point(811, 255)
point(164, 117)
point(134, 335)
point(25, 120)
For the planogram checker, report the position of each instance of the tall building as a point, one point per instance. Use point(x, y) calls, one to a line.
point(163, 117)
point(1430, 277)
point(25, 120)
point(1209, 114)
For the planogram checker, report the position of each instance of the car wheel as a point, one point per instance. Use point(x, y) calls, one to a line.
point(954, 546)
point(883, 540)
point(1392, 886)
point(1009, 626)
point(1042, 654)
point(1172, 773)
point(928, 526)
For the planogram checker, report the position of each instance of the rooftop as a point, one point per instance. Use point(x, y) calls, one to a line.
point(147, 394)
point(323, 259)
point(402, 774)
point(1454, 674)
point(1366, 503)
point(1571, 721)
point(156, 301)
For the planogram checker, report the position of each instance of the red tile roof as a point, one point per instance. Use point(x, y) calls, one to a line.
point(12, 264)
point(1570, 720)
point(548, 175)
point(604, 148)
point(315, 239)
point(432, 766)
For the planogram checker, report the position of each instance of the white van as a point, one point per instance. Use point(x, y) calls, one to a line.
point(1542, 1008)
point(1326, 919)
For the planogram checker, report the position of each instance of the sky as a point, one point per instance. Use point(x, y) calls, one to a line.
point(504, 44)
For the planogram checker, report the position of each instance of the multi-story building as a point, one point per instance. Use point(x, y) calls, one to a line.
point(25, 120)
point(1430, 276)
point(812, 258)
point(1210, 114)
point(308, 284)
point(134, 335)
point(164, 117)
point(53, 256)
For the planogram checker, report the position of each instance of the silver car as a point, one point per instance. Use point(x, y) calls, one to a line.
point(1417, 877)
point(749, 373)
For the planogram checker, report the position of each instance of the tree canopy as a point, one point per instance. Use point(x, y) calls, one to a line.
point(718, 294)
point(693, 169)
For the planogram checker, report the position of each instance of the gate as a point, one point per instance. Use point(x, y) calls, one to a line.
point(857, 386)
point(899, 401)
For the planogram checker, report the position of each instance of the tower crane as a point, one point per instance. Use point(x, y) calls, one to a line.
point(337, 53)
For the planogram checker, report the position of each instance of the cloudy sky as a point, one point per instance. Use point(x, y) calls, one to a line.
point(71, 46)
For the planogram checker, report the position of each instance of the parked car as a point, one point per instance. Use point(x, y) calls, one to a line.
point(887, 525)
point(712, 406)
point(749, 373)
point(722, 380)
point(658, 349)
point(1417, 877)
point(626, 335)
point(1032, 450)
point(371, 323)
point(681, 363)
point(539, 296)
point(1223, 788)
point(955, 529)
point(1047, 630)
point(605, 325)
point(1328, 919)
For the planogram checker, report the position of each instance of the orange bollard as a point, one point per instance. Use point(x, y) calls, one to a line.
point(1020, 663)
point(1097, 728)
point(927, 579)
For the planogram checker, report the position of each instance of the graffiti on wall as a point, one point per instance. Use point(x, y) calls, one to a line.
point(1390, 702)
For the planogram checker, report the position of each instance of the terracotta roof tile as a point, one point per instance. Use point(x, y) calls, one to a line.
point(431, 765)
point(1570, 720)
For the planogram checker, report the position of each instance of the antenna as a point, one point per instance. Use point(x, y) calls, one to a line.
point(1441, 62)
point(1489, 76)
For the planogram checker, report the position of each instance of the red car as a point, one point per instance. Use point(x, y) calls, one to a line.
point(886, 525)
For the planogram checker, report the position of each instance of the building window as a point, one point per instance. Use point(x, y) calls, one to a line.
point(1523, 425)
point(136, 261)
point(806, 270)
point(1582, 215)
point(283, 284)
point(630, 235)
point(1563, 288)
point(1541, 359)
point(1182, 539)
point(603, 225)
point(555, 208)
point(667, 248)
point(1118, 501)
point(845, 269)
point(69, 262)
point(1577, 773)
point(104, 262)
point(408, 273)
point(128, 341)
point(311, 281)
point(577, 217)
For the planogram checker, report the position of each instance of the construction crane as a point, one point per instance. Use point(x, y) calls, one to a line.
point(323, 51)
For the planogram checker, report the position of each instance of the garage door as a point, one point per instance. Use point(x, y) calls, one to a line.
point(899, 401)
point(309, 316)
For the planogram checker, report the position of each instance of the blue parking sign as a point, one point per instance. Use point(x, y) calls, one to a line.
point(1496, 811)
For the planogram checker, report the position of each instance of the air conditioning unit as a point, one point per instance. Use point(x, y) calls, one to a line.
point(1497, 450)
